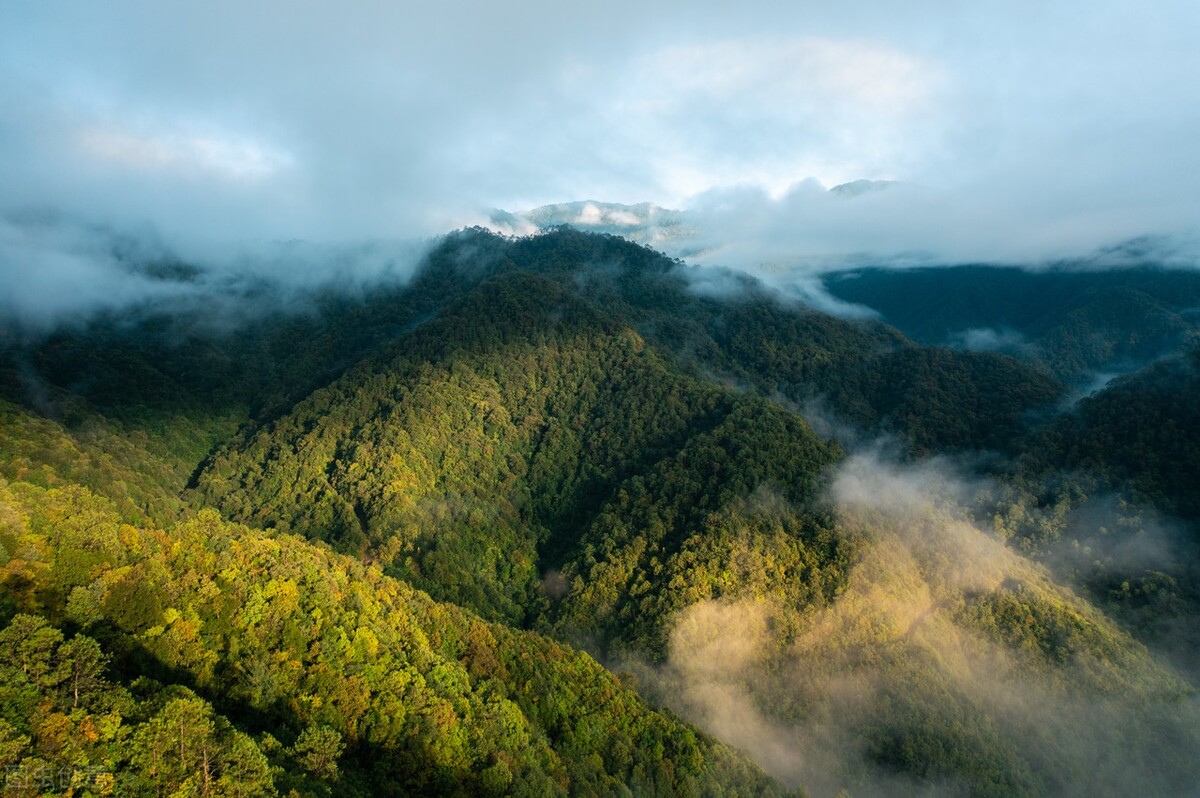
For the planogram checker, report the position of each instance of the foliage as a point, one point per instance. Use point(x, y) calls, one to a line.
point(296, 643)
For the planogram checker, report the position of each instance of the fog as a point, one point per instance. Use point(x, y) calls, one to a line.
point(61, 270)
point(814, 702)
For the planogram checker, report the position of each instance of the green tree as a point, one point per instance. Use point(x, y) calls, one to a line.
point(81, 664)
point(317, 750)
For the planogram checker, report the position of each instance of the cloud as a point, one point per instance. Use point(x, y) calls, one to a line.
point(707, 682)
point(768, 110)
point(228, 158)
point(809, 229)
point(400, 118)
point(987, 339)
point(1018, 133)
point(56, 269)
point(49, 273)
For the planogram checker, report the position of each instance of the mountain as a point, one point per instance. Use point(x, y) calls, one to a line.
point(644, 223)
point(1137, 432)
point(677, 233)
point(546, 518)
point(857, 188)
point(1076, 320)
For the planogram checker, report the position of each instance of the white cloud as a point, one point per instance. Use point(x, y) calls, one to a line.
point(771, 110)
point(50, 272)
point(227, 158)
point(1035, 127)
point(781, 70)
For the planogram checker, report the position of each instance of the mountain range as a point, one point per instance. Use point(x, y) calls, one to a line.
point(554, 516)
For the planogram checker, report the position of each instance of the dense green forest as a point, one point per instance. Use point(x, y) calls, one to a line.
point(543, 519)
point(1073, 319)
point(1093, 487)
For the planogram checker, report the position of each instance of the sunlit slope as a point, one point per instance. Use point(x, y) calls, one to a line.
point(476, 449)
point(294, 668)
point(475, 460)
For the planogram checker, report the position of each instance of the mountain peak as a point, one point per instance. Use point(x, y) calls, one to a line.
point(856, 188)
point(644, 223)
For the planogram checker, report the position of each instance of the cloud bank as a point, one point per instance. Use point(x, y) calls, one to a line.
point(1014, 133)
point(57, 270)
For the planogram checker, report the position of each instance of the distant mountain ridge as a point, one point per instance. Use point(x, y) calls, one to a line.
point(644, 223)
point(1071, 318)
point(672, 231)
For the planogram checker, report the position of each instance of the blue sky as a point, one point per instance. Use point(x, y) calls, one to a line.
point(1024, 130)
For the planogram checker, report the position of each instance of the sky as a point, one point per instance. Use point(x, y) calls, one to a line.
point(1017, 130)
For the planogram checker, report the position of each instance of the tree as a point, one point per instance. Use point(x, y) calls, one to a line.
point(31, 644)
point(81, 663)
point(317, 750)
point(177, 746)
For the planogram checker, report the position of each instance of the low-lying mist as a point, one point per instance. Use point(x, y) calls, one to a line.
point(59, 270)
point(949, 665)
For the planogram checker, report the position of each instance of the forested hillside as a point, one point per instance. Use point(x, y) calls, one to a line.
point(1140, 431)
point(212, 659)
point(1074, 319)
point(545, 519)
